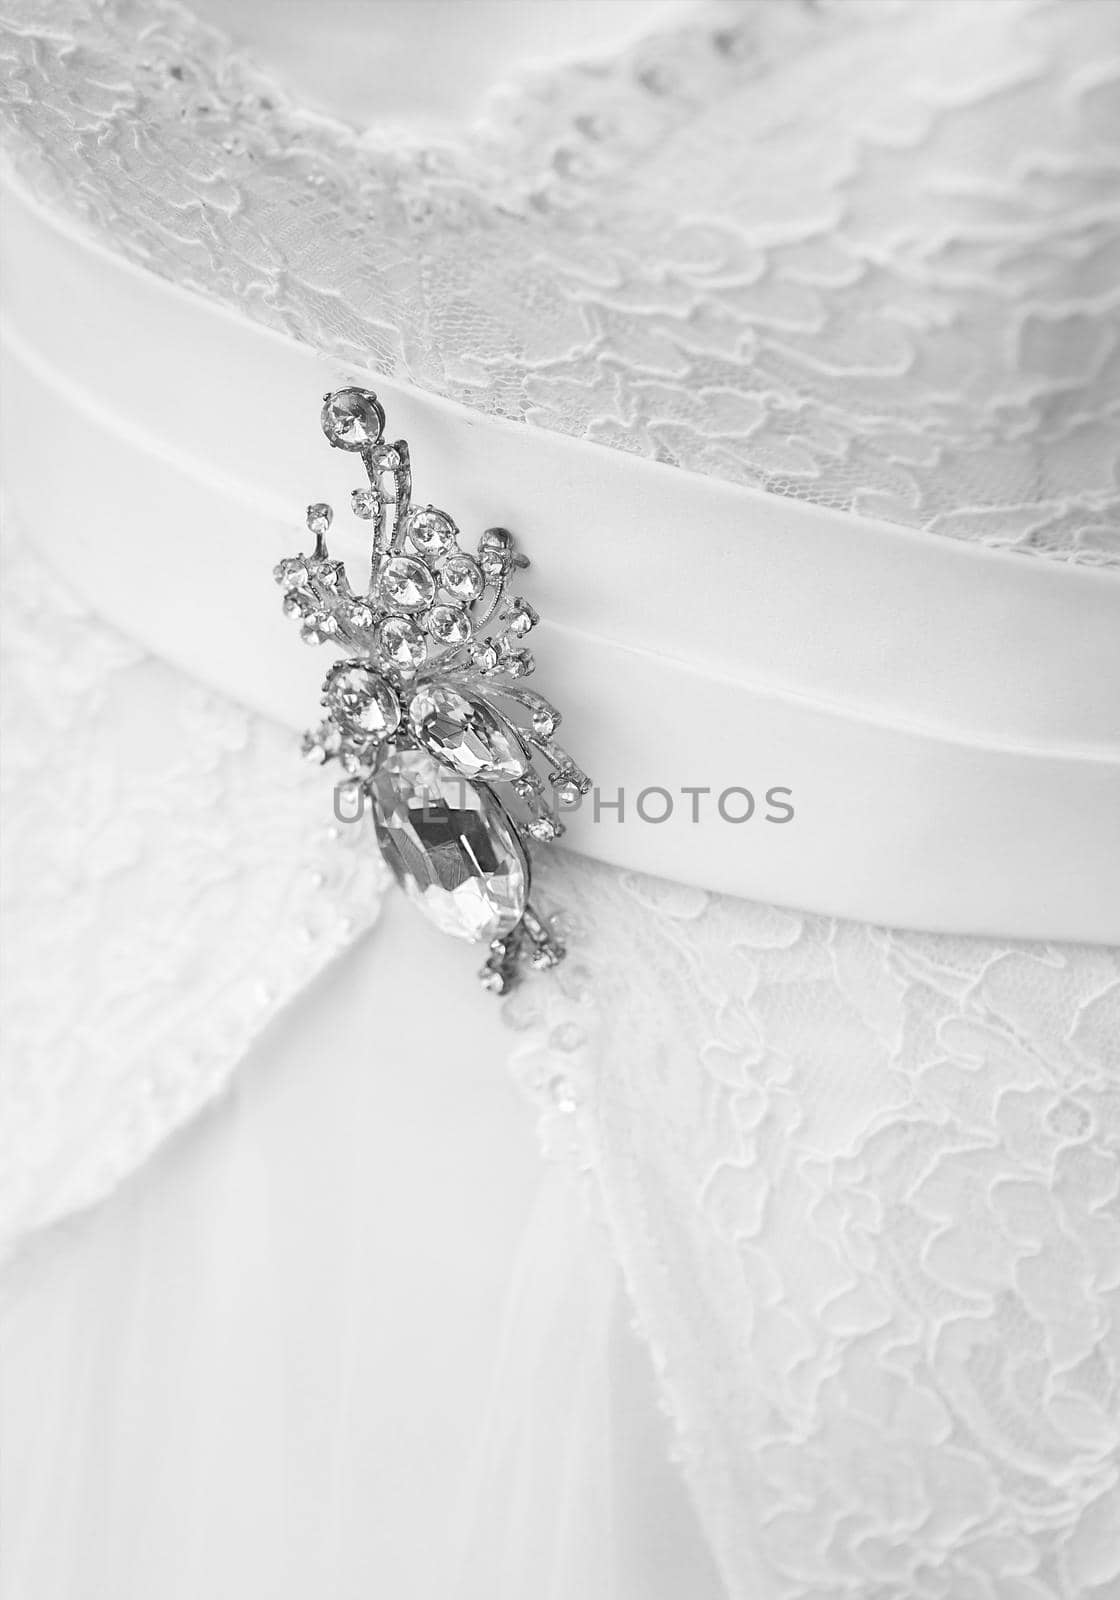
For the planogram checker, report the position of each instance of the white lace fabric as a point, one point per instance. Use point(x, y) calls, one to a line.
point(171, 878)
point(860, 252)
point(864, 1185)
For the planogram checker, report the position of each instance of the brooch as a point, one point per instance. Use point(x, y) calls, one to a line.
point(425, 712)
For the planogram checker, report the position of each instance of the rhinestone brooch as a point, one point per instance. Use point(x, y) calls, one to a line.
point(425, 712)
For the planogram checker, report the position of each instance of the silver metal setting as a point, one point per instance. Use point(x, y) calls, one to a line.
point(433, 662)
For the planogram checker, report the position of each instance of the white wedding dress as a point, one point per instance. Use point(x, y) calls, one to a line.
point(785, 336)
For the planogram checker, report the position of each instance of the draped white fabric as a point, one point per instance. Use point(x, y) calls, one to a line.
point(342, 1335)
point(348, 1336)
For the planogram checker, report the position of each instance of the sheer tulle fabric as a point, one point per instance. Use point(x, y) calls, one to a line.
point(347, 1336)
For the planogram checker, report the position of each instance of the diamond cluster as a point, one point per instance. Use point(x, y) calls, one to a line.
point(426, 709)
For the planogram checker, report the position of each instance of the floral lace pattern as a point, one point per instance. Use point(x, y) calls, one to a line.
point(865, 1188)
point(892, 289)
point(168, 887)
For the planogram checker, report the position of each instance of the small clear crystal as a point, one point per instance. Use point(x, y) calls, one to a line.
point(467, 735)
point(352, 419)
point(406, 584)
point(401, 644)
point(495, 552)
point(331, 574)
point(520, 618)
point(359, 616)
point(462, 577)
point(484, 656)
point(431, 532)
point(545, 722)
point(518, 664)
point(545, 829)
point(319, 519)
point(365, 503)
point(385, 458)
point(318, 628)
point(449, 625)
point(566, 792)
point(292, 573)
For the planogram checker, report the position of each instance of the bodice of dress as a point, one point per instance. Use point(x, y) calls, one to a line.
point(862, 1181)
point(857, 252)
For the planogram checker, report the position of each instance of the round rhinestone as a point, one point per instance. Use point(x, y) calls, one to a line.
point(405, 584)
point(544, 723)
point(460, 576)
point(431, 532)
point(360, 700)
point(366, 503)
point(449, 625)
point(319, 518)
point(401, 644)
point(352, 419)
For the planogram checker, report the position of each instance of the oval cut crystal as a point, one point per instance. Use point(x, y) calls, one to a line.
point(450, 845)
point(466, 735)
point(360, 700)
point(405, 584)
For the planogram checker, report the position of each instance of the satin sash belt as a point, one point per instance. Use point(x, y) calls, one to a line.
point(942, 720)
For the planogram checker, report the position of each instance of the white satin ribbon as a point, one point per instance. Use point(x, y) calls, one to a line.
point(946, 717)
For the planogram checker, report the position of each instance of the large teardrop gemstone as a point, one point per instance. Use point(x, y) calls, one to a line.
point(450, 846)
point(466, 734)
